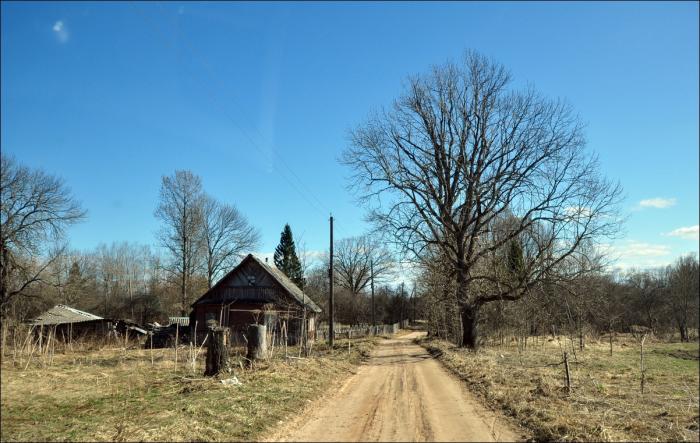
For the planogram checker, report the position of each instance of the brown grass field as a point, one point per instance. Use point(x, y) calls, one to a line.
point(605, 404)
point(113, 394)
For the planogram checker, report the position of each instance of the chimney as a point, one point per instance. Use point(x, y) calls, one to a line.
point(265, 260)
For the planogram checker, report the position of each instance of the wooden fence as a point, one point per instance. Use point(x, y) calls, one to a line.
point(360, 331)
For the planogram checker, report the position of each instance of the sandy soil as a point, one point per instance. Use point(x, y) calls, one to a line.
point(400, 394)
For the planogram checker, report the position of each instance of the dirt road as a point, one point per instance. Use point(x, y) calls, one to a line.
point(400, 394)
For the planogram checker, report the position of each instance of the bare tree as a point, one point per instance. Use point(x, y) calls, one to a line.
point(648, 286)
point(458, 151)
point(35, 209)
point(227, 236)
point(180, 211)
point(357, 258)
point(684, 290)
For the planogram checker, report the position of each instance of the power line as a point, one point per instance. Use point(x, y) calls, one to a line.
point(214, 100)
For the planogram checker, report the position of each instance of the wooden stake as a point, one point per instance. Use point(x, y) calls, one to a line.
point(177, 337)
point(30, 355)
point(4, 334)
point(53, 346)
point(568, 376)
point(194, 359)
point(151, 348)
point(641, 361)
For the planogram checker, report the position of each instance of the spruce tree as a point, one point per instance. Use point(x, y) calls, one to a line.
point(516, 263)
point(286, 258)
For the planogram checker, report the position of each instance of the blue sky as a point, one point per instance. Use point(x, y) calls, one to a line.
point(258, 98)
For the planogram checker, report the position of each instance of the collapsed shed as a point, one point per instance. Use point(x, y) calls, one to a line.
point(72, 324)
point(256, 293)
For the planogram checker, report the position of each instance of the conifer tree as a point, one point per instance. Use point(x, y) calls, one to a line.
point(286, 258)
point(516, 263)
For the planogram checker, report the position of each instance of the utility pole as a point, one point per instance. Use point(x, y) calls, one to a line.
point(371, 285)
point(403, 303)
point(331, 331)
point(413, 302)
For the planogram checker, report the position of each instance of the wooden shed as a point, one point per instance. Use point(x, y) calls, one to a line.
point(256, 293)
point(70, 324)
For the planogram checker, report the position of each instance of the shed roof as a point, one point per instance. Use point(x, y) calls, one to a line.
point(61, 314)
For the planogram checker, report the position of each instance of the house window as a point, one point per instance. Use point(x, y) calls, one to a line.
point(251, 280)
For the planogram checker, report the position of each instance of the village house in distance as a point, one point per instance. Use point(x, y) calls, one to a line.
point(256, 293)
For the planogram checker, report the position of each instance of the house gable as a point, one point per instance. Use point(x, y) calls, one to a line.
point(255, 282)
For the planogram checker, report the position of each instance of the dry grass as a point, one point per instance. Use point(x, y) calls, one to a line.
point(606, 403)
point(116, 395)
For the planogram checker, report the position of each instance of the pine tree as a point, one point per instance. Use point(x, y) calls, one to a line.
point(75, 285)
point(286, 258)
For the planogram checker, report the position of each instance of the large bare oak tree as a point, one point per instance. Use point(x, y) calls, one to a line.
point(459, 152)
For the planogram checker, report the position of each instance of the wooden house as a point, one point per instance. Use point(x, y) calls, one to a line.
point(255, 293)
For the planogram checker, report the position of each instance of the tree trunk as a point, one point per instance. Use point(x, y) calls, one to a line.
point(684, 332)
point(217, 352)
point(4, 280)
point(257, 343)
point(470, 316)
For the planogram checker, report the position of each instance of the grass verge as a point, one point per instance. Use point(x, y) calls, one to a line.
point(117, 395)
point(606, 403)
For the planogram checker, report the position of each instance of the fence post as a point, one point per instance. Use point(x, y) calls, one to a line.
point(641, 361)
point(568, 376)
point(177, 337)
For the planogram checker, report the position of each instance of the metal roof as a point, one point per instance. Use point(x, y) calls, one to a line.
point(182, 321)
point(61, 314)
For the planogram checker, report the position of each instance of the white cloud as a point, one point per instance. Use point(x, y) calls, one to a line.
point(657, 202)
point(578, 211)
point(636, 254)
point(641, 249)
point(59, 28)
point(688, 232)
